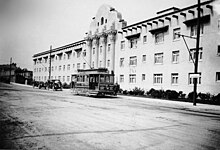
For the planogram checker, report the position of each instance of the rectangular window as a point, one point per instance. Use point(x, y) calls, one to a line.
point(100, 63)
point(59, 68)
point(143, 77)
point(176, 33)
point(132, 78)
point(122, 45)
point(159, 37)
point(68, 55)
point(145, 39)
point(63, 78)
point(191, 78)
point(100, 49)
point(133, 61)
point(63, 67)
point(108, 63)
point(174, 78)
point(133, 43)
point(59, 77)
point(109, 47)
point(73, 66)
point(158, 58)
point(175, 57)
point(121, 78)
point(78, 65)
point(193, 54)
point(68, 67)
point(60, 57)
point(84, 53)
point(84, 65)
point(68, 78)
point(218, 51)
point(45, 69)
point(218, 23)
point(193, 30)
point(121, 62)
point(143, 58)
point(78, 54)
point(52, 68)
point(158, 78)
point(93, 50)
point(218, 76)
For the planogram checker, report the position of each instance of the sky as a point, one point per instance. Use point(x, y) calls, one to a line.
point(28, 27)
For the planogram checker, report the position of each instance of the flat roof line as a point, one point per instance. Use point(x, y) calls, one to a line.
point(58, 48)
point(177, 11)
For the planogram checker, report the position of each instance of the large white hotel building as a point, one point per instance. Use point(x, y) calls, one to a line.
point(147, 54)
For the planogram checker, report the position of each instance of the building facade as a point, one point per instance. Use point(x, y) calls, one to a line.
point(147, 54)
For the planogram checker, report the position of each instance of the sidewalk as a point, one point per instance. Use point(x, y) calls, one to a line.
point(200, 108)
point(13, 83)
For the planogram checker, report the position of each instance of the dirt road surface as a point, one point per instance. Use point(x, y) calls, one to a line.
point(41, 119)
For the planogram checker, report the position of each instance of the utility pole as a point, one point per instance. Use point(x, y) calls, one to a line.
point(10, 70)
point(195, 80)
point(50, 62)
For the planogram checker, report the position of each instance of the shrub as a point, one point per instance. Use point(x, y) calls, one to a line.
point(171, 94)
point(204, 96)
point(217, 98)
point(138, 91)
point(181, 94)
point(157, 93)
point(190, 95)
point(66, 86)
point(120, 91)
point(131, 92)
point(150, 91)
point(125, 92)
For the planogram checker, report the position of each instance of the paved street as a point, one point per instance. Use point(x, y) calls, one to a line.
point(40, 119)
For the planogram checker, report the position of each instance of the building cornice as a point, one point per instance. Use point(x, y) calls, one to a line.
point(60, 48)
point(165, 15)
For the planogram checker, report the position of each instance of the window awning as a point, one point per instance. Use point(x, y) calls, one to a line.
point(137, 35)
point(78, 49)
point(68, 52)
point(161, 29)
point(203, 20)
point(60, 54)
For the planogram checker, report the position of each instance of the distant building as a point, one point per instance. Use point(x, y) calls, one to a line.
point(15, 74)
point(5, 73)
point(147, 54)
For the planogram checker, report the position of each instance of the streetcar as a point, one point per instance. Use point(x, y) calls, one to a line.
point(93, 82)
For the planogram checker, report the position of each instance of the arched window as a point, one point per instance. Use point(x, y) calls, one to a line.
point(102, 21)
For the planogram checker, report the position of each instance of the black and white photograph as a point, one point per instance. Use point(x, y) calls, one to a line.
point(110, 74)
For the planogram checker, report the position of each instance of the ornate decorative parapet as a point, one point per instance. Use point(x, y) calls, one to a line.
point(103, 38)
point(112, 35)
point(95, 40)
